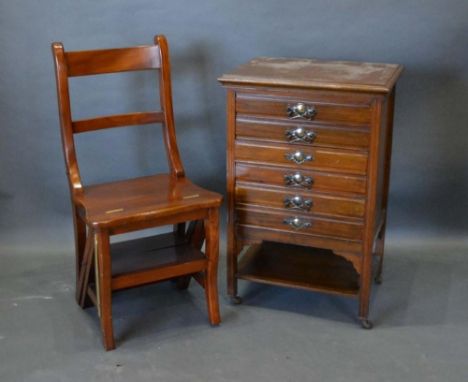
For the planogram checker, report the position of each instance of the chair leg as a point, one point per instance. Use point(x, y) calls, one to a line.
point(104, 287)
point(182, 282)
point(85, 271)
point(212, 253)
point(179, 228)
point(80, 243)
point(196, 233)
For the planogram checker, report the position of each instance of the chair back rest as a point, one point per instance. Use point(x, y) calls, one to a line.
point(104, 61)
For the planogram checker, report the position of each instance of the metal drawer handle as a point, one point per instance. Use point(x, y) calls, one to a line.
point(301, 110)
point(297, 223)
point(298, 180)
point(298, 202)
point(300, 134)
point(298, 157)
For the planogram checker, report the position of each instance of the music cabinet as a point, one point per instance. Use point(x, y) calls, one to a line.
point(308, 163)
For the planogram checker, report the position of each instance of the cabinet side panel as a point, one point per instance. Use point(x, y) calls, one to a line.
point(380, 178)
point(371, 207)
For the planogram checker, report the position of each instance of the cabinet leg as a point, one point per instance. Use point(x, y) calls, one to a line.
point(365, 288)
point(366, 324)
point(380, 253)
point(232, 251)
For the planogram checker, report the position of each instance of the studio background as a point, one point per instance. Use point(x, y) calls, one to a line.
point(277, 334)
point(207, 38)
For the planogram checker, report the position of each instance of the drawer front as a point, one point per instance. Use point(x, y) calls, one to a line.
point(300, 133)
point(312, 225)
point(303, 109)
point(302, 157)
point(300, 201)
point(295, 179)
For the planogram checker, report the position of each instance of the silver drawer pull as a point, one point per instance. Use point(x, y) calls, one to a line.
point(297, 202)
point(300, 134)
point(298, 157)
point(301, 110)
point(297, 223)
point(298, 180)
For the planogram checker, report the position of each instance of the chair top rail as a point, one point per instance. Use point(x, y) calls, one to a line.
point(93, 62)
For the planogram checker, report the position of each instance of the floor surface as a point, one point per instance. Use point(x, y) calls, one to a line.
point(420, 314)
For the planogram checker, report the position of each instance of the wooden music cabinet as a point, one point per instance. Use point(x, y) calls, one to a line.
point(308, 163)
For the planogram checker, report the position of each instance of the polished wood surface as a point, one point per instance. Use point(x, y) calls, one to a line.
point(321, 181)
point(256, 105)
point(340, 161)
point(321, 204)
point(92, 62)
point(134, 200)
point(98, 123)
point(271, 130)
point(322, 226)
point(103, 210)
point(309, 146)
point(254, 234)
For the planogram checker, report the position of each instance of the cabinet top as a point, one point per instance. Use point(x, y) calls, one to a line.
point(317, 74)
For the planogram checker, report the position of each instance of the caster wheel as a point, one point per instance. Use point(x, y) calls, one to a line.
point(378, 279)
point(236, 300)
point(366, 324)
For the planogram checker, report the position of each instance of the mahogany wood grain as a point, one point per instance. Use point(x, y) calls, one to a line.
point(165, 95)
point(322, 181)
point(340, 161)
point(104, 286)
point(85, 269)
point(258, 234)
point(130, 119)
point(211, 271)
point(274, 219)
point(79, 228)
point(233, 244)
point(183, 266)
point(257, 105)
point(322, 204)
point(290, 94)
point(371, 212)
point(146, 198)
point(92, 62)
point(269, 130)
point(102, 210)
point(351, 105)
point(386, 184)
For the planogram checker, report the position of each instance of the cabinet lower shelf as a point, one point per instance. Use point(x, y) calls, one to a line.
point(298, 267)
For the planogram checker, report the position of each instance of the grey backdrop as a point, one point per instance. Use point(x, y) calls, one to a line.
point(209, 37)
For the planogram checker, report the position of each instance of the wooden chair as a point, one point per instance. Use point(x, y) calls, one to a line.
point(100, 211)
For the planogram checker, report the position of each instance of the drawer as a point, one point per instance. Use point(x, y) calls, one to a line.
point(302, 157)
point(303, 109)
point(280, 176)
point(300, 133)
point(301, 201)
point(312, 225)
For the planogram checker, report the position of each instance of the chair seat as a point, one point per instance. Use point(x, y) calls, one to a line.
point(145, 198)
